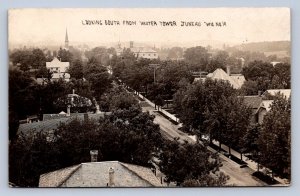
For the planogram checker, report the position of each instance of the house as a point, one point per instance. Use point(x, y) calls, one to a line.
point(236, 80)
point(102, 174)
point(30, 119)
point(56, 66)
point(274, 63)
point(59, 69)
point(57, 76)
point(253, 102)
point(146, 53)
point(286, 93)
point(53, 121)
point(264, 107)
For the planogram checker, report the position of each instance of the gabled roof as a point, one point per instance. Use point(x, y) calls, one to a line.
point(142, 50)
point(57, 63)
point(239, 79)
point(95, 174)
point(58, 177)
point(285, 92)
point(265, 104)
point(220, 74)
point(253, 101)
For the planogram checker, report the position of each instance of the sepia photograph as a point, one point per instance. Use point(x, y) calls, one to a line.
point(149, 97)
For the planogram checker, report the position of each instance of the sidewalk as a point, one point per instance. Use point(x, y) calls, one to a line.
point(251, 164)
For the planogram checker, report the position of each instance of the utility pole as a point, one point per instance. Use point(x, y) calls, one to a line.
point(154, 71)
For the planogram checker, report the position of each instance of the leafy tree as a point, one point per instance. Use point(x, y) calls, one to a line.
point(283, 71)
point(218, 61)
point(258, 69)
point(197, 99)
point(22, 58)
point(250, 140)
point(159, 101)
point(38, 59)
point(175, 53)
point(126, 135)
point(21, 94)
point(64, 55)
point(227, 121)
point(218, 179)
point(170, 74)
point(98, 76)
point(197, 57)
point(182, 163)
point(76, 69)
point(266, 76)
point(250, 87)
point(275, 137)
point(100, 54)
point(122, 101)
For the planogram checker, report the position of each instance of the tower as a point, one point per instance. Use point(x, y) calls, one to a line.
point(66, 40)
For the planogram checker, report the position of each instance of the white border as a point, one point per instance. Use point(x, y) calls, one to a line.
point(295, 12)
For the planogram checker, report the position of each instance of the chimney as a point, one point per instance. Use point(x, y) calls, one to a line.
point(94, 155)
point(131, 44)
point(228, 70)
point(259, 93)
point(111, 173)
point(69, 110)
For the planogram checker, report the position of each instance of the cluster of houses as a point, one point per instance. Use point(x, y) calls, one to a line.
point(260, 103)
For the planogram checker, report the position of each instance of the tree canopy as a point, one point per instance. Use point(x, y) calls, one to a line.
point(188, 162)
point(275, 138)
point(126, 135)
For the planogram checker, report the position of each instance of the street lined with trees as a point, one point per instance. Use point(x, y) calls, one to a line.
point(204, 108)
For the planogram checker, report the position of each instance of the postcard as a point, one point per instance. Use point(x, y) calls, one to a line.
point(149, 97)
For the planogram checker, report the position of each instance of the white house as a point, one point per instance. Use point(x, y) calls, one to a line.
point(236, 80)
point(146, 53)
point(286, 93)
point(56, 66)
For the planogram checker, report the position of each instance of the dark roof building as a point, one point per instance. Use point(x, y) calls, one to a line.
point(52, 121)
point(253, 101)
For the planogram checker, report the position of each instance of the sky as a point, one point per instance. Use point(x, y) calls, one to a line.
point(238, 25)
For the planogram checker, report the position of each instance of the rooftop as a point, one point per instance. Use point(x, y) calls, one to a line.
point(236, 80)
point(285, 92)
point(266, 104)
point(53, 123)
point(253, 101)
point(96, 174)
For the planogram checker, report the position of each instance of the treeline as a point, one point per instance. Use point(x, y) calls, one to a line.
point(267, 46)
point(213, 107)
point(28, 97)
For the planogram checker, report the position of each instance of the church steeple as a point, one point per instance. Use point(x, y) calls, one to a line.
point(66, 40)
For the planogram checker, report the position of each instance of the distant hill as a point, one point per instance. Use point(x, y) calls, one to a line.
point(274, 46)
